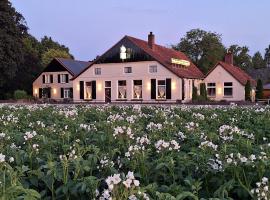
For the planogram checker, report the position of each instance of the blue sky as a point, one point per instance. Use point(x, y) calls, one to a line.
point(90, 27)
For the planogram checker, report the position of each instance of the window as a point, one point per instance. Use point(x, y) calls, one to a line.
point(161, 89)
point(88, 90)
point(108, 84)
point(47, 78)
point(97, 71)
point(137, 89)
point(128, 70)
point(211, 89)
point(66, 93)
point(63, 78)
point(122, 89)
point(228, 89)
point(153, 69)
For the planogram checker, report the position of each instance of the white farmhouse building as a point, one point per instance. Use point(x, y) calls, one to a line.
point(134, 70)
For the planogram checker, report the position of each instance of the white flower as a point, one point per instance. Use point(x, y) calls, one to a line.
point(127, 183)
point(2, 158)
point(11, 159)
point(136, 183)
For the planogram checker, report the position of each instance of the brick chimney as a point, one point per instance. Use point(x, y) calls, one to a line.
point(151, 41)
point(229, 58)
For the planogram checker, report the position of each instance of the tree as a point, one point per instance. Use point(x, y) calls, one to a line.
point(11, 44)
point(203, 92)
point(259, 89)
point(194, 93)
point(248, 91)
point(53, 53)
point(267, 56)
point(205, 49)
point(258, 61)
point(241, 57)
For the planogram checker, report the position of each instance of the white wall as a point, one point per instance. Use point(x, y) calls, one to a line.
point(115, 71)
point(219, 75)
point(56, 87)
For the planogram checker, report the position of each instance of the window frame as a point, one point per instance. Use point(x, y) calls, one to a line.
point(47, 78)
point(98, 71)
point(152, 67)
point(161, 85)
point(227, 87)
point(67, 91)
point(133, 89)
point(63, 78)
point(125, 87)
point(212, 87)
point(85, 90)
point(128, 71)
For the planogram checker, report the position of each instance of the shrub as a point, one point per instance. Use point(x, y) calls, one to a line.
point(203, 92)
point(259, 89)
point(248, 91)
point(194, 93)
point(20, 94)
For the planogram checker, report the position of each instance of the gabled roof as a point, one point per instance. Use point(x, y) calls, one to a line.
point(162, 55)
point(73, 66)
point(240, 75)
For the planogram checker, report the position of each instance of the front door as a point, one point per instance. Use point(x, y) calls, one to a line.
point(107, 95)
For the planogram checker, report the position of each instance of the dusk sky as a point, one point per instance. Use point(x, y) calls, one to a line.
point(90, 27)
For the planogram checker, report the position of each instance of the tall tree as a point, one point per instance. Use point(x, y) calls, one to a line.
point(241, 57)
point(258, 61)
point(53, 53)
point(205, 49)
point(13, 28)
point(259, 89)
point(267, 56)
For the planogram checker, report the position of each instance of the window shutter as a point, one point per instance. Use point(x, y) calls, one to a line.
point(153, 88)
point(40, 93)
point(59, 78)
point(43, 78)
point(62, 92)
point(71, 92)
point(81, 90)
point(168, 88)
point(67, 78)
point(183, 89)
point(49, 92)
point(94, 93)
point(51, 78)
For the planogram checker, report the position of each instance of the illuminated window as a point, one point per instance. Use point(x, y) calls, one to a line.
point(88, 90)
point(228, 89)
point(161, 89)
point(128, 70)
point(122, 89)
point(153, 69)
point(211, 89)
point(137, 89)
point(97, 71)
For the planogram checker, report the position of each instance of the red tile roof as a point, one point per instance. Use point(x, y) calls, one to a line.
point(163, 55)
point(240, 75)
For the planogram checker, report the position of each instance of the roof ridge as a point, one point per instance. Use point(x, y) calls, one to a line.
point(72, 59)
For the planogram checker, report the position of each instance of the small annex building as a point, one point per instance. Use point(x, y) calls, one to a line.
point(134, 70)
point(226, 82)
point(54, 81)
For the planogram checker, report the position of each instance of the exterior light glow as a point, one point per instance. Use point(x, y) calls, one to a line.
point(219, 90)
point(148, 86)
point(99, 87)
point(36, 91)
point(173, 85)
point(78, 87)
point(54, 91)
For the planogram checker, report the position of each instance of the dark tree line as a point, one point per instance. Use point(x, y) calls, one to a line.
point(205, 49)
point(22, 56)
